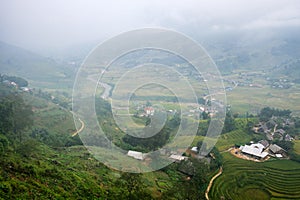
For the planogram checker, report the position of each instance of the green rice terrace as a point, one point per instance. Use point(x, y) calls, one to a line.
point(242, 179)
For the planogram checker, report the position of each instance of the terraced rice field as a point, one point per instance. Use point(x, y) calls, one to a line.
point(228, 140)
point(297, 146)
point(242, 179)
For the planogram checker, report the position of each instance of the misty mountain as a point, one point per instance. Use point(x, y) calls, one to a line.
point(20, 62)
point(290, 68)
point(253, 50)
point(275, 52)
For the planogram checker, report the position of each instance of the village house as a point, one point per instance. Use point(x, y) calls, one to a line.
point(288, 138)
point(7, 82)
point(194, 149)
point(178, 158)
point(280, 132)
point(288, 123)
point(269, 136)
point(25, 89)
point(254, 150)
point(271, 124)
point(265, 143)
point(277, 151)
point(149, 111)
point(135, 154)
point(261, 128)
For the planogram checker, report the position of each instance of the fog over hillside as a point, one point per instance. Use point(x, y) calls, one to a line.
point(49, 27)
point(237, 34)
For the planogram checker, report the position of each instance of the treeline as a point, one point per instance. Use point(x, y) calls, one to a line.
point(21, 82)
point(125, 141)
point(156, 141)
point(197, 170)
point(233, 121)
point(288, 146)
point(267, 113)
point(60, 98)
point(16, 117)
point(230, 124)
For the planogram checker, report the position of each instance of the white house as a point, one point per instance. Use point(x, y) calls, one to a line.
point(135, 154)
point(256, 150)
point(149, 111)
point(194, 149)
point(275, 149)
point(25, 89)
point(178, 157)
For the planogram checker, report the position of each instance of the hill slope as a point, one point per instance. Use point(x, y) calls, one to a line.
point(35, 68)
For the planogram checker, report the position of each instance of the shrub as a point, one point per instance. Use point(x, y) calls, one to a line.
point(5, 189)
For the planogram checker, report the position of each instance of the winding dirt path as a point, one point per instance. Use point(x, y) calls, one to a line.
point(211, 182)
point(79, 130)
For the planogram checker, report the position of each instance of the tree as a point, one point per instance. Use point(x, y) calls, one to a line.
point(18, 80)
point(159, 139)
point(218, 159)
point(267, 112)
point(229, 124)
point(193, 188)
point(203, 127)
point(286, 145)
point(3, 143)
point(148, 104)
point(28, 148)
point(205, 115)
point(22, 116)
point(132, 187)
point(6, 114)
point(15, 116)
point(201, 101)
point(249, 127)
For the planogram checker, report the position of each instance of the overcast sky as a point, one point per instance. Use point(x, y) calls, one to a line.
point(36, 24)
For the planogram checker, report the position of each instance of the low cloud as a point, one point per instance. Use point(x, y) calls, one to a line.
point(45, 24)
point(289, 17)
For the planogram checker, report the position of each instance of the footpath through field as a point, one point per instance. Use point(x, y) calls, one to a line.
point(211, 182)
point(81, 128)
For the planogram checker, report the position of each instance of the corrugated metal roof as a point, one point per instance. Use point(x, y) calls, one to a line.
point(177, 157)
point(135, 154)
point(195, 149)
point(255, 150)
point(275, 148)
point(264, 142)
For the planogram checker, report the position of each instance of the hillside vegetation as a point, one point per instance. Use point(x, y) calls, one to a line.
point(41, 160)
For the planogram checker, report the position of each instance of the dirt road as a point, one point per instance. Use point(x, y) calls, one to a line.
point(211, 182)
point(81, 128)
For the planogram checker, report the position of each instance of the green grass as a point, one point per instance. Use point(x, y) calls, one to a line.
point(228, 140)
point(242, 179)
point(225, 141)
point(61, 174)
point(69, 173)
point(297, 146)
point(245, 99)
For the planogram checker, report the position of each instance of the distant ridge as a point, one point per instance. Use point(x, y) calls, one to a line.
point(36, 68)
